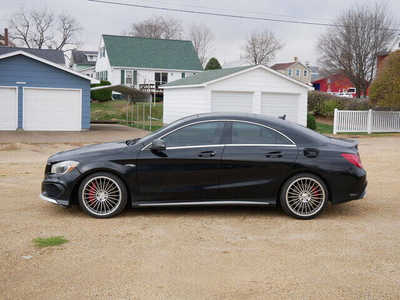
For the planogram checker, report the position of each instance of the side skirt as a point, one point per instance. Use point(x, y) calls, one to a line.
point(200, 203)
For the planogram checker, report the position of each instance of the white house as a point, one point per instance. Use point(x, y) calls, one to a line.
point(84, 62)
point(145, 63)
point(251, 89)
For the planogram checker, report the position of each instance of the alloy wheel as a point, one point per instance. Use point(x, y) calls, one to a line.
point(101, 195)
point(305, 196)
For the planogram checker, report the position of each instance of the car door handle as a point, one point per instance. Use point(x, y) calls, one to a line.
point(207, 154)
point(273, 154)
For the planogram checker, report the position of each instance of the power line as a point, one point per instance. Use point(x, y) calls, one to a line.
point(220, 14)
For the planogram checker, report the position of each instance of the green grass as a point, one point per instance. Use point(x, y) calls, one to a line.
point(116, 111)
point(50, 241)
point(324, 128)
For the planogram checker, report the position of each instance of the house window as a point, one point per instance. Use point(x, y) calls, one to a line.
point(134, 77)
point(128, 77)
point(160, 78)
point(305, 73)
point(122, 76)
point(297, 73)
point(102, 52)
point(290, 72)
point(101, 75)
point(183, 75)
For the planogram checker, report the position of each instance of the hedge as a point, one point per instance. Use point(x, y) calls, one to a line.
point(311, 123)
point(323, 104)
point(101, 95)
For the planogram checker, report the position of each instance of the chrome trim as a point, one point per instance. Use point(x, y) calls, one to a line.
point(260, 145)
point(221, 120)
point(197, 146)
point(205, 203)
point(48, 199)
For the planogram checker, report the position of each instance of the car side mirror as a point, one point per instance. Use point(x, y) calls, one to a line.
point(158, 146)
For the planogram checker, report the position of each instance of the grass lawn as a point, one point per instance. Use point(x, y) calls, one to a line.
point(116, 111)
point(324, 128)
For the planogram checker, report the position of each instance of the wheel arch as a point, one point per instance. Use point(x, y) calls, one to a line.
point(90, 171)
point(302, 172)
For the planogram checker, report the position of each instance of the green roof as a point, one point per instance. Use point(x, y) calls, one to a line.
point(126, 51)
point(206, 76)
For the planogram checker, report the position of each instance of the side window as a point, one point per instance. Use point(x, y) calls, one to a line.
point(209, 133)
point(245, 133)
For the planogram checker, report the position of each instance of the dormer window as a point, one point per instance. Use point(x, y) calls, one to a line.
point(91, 57)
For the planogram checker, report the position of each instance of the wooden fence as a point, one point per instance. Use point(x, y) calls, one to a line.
point(366, 121)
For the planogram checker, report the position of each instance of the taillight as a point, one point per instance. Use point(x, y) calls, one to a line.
point(353, 158)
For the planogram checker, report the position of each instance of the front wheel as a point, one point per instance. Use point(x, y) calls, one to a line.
point(304, 196)
point(102, 195)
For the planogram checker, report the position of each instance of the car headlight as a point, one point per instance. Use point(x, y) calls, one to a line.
point(64, 167)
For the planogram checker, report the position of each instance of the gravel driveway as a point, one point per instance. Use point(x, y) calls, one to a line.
point(350, 252)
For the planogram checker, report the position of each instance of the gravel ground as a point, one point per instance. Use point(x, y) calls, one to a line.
point(349, 252)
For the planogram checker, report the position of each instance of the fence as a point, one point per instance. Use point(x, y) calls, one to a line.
point(366, 121)
point(144, 115)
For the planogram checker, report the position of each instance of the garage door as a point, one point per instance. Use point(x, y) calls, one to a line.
point(52, 109)
point(8, 108)
point(277, 104)
point(231, 102)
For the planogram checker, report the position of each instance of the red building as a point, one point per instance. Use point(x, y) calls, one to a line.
point(336, 83)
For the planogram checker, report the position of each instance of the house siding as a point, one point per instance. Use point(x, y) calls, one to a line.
point(23, 71)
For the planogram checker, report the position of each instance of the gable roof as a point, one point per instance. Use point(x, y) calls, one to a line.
point(45, 61)
point(126, 51)
point(282, 66)
point(79, 57)
point(207, 77)
point(55, 56)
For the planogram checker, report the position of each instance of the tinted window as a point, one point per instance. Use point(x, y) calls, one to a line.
point(245, 133)
point(196, 135)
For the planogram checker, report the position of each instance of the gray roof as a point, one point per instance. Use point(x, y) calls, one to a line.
point(55, 56)
point(206, 76)
point(79, 57)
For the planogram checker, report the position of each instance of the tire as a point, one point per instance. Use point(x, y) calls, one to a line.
point(102, 195)
point(304, 196)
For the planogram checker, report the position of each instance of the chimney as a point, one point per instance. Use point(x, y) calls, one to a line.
point(295, 58)
point(5, 37)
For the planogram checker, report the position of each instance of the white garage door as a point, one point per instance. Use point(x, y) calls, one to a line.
point(52, 109)
point(8, 108)
point(277, 104)
point(231, 102)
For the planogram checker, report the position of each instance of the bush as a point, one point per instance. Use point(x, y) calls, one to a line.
point(101, 95)
point(323, 104)
point(213, 64)
point(385, 89)
point(311, 122)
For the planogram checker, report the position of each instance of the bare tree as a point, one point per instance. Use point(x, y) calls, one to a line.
point(352, 46)
point(157, 27)
point(202, 37)
point(44, 29)
point(261, 47)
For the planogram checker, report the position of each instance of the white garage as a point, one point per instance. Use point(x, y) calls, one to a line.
point(9, 111)
point(250, 89)
point(45, 109)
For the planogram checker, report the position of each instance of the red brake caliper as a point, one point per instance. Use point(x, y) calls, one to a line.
point(315, 191)
point(92, 193)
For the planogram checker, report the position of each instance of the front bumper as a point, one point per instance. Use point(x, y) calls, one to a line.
point(58, 189)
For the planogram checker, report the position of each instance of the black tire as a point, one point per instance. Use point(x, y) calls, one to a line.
point(102, 195)
point(304, 196)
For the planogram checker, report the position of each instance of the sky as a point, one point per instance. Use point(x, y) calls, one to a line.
point(230, 34)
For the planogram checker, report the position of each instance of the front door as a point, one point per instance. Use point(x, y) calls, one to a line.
point(187, 170)
point(255, 161)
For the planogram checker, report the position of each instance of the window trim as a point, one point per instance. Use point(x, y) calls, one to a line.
point(229, 145)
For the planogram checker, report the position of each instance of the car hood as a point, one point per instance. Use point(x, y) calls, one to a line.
point(87, 151)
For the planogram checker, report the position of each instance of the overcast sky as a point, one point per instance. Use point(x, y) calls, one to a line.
point(230, 34)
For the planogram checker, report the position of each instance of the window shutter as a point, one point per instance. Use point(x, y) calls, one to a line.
point(122, 76)
point(134, 77)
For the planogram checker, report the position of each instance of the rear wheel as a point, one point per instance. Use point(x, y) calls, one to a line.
point(102, 195)
point(304, 196)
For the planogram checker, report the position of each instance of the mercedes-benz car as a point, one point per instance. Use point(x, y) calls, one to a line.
point(210, 159)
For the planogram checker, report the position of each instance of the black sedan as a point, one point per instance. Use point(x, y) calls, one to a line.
point(210, 159)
